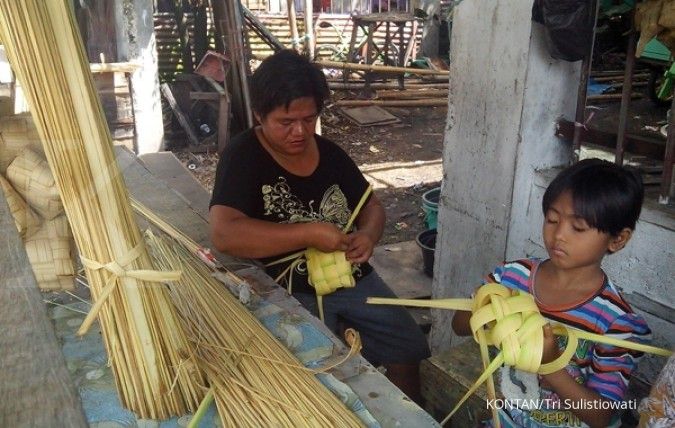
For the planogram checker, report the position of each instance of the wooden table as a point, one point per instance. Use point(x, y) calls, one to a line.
point(394, 25)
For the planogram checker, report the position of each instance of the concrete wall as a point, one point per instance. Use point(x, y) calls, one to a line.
point(550, 92)
point(136, 43)
point(490, 53)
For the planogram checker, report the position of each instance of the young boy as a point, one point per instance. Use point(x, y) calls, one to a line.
point(590, 211)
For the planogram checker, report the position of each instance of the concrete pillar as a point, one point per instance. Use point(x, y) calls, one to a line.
point(136, 42)
point(505, 94)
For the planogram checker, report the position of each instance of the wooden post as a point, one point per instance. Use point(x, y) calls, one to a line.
point(309, 29)
point(292, 21)
point(580, 115)
point(668, 159)
point(229, 28)
point(625, 98)
point(223, 113)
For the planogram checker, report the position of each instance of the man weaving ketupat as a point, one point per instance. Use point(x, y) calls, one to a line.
point(281, 189)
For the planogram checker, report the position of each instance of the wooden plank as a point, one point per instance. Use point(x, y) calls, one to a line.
point(35, 386)
point(369, 115)
point(155, 194)
point(114, 67)
point(428, 102)
point(445, 379)
point(223, 113)
point(166, 167)
point(182, 119)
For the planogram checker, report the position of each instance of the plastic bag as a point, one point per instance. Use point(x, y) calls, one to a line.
point(569, 26)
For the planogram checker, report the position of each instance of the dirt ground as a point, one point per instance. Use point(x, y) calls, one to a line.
point(402, 161)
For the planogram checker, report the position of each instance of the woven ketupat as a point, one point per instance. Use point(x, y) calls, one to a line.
point(27, 222)
point(30, 175)
point(49, 252)
point(328, 271)
point(16, 134)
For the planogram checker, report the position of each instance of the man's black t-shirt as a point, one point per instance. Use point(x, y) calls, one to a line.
point(251, 181)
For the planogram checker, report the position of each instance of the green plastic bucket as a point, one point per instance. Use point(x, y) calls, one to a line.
point(430, 207)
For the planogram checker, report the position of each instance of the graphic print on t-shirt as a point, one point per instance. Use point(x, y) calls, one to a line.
point(280, 202)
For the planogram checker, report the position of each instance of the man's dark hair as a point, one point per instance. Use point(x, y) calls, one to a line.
point(608, 196)
point(284, 77)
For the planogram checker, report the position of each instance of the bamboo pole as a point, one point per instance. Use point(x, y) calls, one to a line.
point(428, 102)
point(619, 77)
point(139, 325)
point(608, 97)
point(377, 85)
point(412, 94)
point(383, 68)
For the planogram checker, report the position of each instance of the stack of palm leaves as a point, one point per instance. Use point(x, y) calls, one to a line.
point(141, 331)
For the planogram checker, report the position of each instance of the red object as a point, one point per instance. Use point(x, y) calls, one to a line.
point(214, 65)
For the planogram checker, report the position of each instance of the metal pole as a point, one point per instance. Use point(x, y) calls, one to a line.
point(580, 115)
point(625, 98)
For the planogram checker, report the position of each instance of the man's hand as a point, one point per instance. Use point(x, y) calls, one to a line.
point(360, 247)
point(327, 237)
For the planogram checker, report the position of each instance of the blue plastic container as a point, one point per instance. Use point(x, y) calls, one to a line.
point(430, 207)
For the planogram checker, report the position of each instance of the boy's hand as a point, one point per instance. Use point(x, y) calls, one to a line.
point(551, 350)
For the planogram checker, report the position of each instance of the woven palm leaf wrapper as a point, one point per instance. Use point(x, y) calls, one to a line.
point(49, 252)
point(148, 351)
point(326, 272)
point(17, 133)
point(30, 175)
point(27, 222)
point(510, 320)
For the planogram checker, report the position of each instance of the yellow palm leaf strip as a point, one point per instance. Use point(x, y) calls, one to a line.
point(140, 329)
point(203, 253)
point(255, 372)
point(511, 321)
point(257, 382)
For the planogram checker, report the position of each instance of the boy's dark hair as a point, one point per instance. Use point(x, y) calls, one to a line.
point(609, 197)
point(284, 77)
